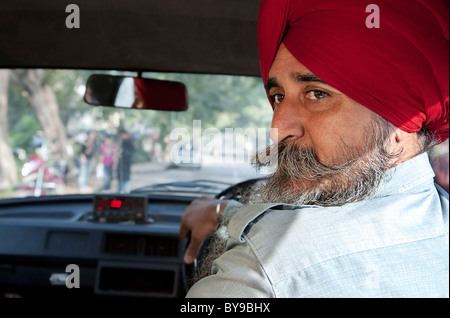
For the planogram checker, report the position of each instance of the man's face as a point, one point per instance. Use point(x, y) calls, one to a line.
point(331, 150)
point(311, 113)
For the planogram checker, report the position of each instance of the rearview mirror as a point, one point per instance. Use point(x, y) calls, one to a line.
point(133, 92)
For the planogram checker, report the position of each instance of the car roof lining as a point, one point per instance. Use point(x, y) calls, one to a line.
point(195, 36)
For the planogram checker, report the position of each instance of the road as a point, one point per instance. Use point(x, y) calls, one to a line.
point(149, 173)
point(145, 174)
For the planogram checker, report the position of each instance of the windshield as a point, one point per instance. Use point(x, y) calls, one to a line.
point(53, 143)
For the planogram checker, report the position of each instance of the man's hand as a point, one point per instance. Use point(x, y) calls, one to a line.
point(201, 219)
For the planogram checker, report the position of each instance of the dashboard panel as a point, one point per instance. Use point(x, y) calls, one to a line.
point(41, 237)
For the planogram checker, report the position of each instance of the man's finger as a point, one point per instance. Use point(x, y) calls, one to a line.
point(184, 230)
point(192, 251)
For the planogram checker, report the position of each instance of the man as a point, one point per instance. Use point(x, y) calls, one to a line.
point(109, 152)
point(86, 154)
point(125, 160)
point(352, 210)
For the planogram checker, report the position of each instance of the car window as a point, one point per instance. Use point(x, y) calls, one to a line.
point(54, 143)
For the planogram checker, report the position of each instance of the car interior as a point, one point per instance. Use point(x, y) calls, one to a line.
point(122, 244)
point(153, 68)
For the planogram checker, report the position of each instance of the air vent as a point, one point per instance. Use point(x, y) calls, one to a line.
point(161, 246)
point(141, 245)
point(122, 244)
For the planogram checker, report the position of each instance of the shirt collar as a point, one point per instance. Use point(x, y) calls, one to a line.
point(407, 175)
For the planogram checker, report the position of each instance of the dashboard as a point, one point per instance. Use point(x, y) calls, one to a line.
point(92, 246)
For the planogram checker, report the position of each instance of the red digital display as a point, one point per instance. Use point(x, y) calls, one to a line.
point(104, 204)
point(116, 204)
point(117, 208)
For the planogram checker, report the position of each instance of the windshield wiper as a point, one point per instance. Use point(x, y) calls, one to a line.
point(203, 186)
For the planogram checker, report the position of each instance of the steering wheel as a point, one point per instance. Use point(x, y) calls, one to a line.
point(235, 192)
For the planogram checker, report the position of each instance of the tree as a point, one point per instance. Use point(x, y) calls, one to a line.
point(43, 100)
point(8, 172)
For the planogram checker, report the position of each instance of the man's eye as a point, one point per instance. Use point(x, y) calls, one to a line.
point(315, 94)
point(277, 98)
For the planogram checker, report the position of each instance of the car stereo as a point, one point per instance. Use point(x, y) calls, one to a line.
point(116, 208)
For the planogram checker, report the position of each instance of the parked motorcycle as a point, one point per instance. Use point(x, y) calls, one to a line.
point(41, 178)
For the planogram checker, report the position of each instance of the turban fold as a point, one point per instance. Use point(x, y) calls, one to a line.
point(399, 70)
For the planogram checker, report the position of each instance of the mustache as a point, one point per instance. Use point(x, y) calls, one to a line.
point(295, 162)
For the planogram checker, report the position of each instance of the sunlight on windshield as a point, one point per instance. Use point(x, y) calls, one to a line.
point(54, 143)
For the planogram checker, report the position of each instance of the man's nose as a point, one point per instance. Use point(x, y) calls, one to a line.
point(286, 122)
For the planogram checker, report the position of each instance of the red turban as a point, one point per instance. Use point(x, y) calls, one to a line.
point(399, 70)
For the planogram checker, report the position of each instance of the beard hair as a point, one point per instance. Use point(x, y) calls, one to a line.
point(301, 179)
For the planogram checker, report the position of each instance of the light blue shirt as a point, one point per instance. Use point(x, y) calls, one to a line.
point(394, 245)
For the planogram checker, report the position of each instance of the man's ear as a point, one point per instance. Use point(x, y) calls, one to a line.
point(405, 144)
point(400, 136)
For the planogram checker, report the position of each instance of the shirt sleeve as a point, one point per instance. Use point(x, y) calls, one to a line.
point(236, 274)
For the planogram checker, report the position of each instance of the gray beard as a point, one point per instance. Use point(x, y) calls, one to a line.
point(301, 179)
